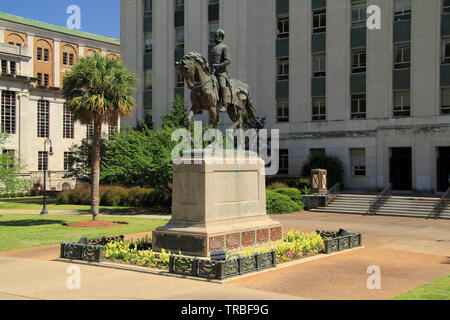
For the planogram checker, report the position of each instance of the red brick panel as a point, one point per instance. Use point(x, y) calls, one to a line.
point(233, 241)
point(262, 235)
point(276, 233)
point(216, 243)
point(248, 238)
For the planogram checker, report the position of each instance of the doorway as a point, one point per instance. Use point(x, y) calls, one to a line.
point(400, 169)
point(443, 169)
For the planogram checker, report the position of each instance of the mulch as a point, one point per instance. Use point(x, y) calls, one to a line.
point(95, 224)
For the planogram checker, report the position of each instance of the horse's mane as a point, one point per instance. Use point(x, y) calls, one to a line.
point(197, 57)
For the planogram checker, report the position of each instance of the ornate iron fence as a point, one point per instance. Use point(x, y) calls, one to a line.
point(339, 243)
point(79, 251)
point(381, 199)
point(441, 205)
point(206, 268)
point(333, 192)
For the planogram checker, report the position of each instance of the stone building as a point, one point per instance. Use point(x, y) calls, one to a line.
point(34, 58)
point(378, 99)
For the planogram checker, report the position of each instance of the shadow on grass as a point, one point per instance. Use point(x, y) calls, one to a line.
point(29, 222)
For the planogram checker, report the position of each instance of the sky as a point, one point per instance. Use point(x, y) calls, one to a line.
point(100, 17)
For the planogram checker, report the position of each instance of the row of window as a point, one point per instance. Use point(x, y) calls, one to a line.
point(8, 118)
point(357, 161)
point(401, 106)
point(43, 160)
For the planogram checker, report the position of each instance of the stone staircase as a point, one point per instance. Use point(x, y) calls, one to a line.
point(397, 205)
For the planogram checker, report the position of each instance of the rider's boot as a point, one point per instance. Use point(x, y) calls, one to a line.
point(223, 109)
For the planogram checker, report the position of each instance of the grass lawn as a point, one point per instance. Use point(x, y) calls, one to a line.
point(26, 231)
point(35, 203)
point(436, 290)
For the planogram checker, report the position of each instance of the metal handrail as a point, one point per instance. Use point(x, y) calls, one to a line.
point(381, 199)
point(441, 205)
point(333, 192)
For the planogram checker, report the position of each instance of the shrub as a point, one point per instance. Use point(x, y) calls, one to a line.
point(332, 164)
point(277, 185)
point(118, 196)
point(294, 194)
point(280, 203)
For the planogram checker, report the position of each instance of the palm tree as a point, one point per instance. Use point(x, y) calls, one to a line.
point(98, 90)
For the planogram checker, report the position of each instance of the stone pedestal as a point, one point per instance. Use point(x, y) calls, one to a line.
point(218, 206)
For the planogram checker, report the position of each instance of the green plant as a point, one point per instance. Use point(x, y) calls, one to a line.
point(297, 245)
point(333, 165)
point(277, 185)
point(280, 203)
point(142, 244)
point(294, 194)
point(97, 90)
point(306, 190)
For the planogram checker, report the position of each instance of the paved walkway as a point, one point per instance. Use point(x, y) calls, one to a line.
point(33, 279)
point(410, 252)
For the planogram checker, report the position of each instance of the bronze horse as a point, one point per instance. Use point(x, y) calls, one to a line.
point(205, 94)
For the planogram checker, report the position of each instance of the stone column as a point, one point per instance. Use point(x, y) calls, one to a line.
point(338, 60)
point(31, 53)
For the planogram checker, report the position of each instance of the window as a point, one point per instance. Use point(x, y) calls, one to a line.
point(179, 41)
point(8, 112)
point(446, 50)
point(179, 79)
point(359, 15)
point(148, 81)
point(319, 21)
point(358, 110)
point(39, 79)
point(71, 59)
point(284, 161)
point(179, 5)
point(317, 152)
point(358, 161)
point(42, 160)
point(445, 6)
point(283, 28)
point(213, 26)
point(4, 66)
point(445, 101)
point(402, 10)
point(282, 111)
point(46, 77)
point(46, 55)
point(148, 8)
point(148, 42)
point(12, 67)
point(43, 116)
point(9, 159)
point(358, 60)
point(68, 124)
point(319, 65)
point(65, 58)
point(402, 107)
point(39, 54)
point(402, 55)
point(282, 69)
point(113, 126)
point(68, 160)
point(90, 131)
point(318, 109)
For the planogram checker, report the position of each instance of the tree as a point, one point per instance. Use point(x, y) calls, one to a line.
point(333, 165)
point(80, 160)
point(98, 89)
point(143, 157)
point(10, 165)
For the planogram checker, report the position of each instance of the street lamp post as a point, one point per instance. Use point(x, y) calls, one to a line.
point(50, 152)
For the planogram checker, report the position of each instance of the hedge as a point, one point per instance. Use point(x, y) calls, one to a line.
point(280, 203)
point(118, 196)
point(294, 194)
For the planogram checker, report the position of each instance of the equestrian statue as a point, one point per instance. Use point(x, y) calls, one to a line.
point(212, 89)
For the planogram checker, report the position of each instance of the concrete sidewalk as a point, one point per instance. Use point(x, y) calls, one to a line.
point(33, 279)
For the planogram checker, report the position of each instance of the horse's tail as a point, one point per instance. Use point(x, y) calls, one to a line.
point(250, 108)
